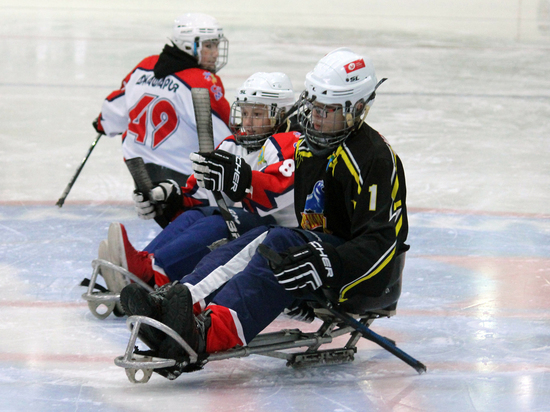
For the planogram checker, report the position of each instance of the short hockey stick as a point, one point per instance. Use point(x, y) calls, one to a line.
point(203, 117)
point(143, 182)
point(71, 183)
point(275, 259)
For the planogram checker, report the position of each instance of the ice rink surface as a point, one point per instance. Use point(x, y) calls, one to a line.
point(466, 106)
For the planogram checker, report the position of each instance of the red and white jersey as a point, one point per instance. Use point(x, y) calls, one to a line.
point(156, 116)
point(272, 187)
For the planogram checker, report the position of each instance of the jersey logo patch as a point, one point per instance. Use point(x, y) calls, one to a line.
point(217, 91)
point(312, 216)
point(261, 156)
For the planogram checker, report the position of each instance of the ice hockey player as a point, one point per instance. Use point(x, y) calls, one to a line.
point(153, 108)
point(253, 166)
point(350, 201)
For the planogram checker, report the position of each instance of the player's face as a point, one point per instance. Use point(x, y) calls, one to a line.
point(327, 118)
point(255, 118)
point(209, 54)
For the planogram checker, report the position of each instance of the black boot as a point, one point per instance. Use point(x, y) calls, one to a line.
point(177, 313)
point(135, 300)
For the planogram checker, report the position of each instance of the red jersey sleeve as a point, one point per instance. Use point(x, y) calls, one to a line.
point(276, 179)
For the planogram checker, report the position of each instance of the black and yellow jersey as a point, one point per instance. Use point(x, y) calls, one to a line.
point(357, 193)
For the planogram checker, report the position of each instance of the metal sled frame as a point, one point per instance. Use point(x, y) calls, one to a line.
point(108, 299)
point(270, 344)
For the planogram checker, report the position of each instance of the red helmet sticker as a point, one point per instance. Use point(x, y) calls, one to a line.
point(356, 65)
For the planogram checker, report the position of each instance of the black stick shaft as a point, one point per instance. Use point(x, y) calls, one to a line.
point(71, 183)
point(373, 336)
point(275, 260)
point(143, 183)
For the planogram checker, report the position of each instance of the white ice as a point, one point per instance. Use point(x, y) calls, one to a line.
point(466, 106)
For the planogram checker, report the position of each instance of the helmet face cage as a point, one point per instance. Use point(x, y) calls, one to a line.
point(252, 123)
point(223, 51)
point(321, 128)
point(260, 107)
point(192, 30)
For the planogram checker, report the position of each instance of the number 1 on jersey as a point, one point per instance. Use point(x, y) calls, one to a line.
point(373, 190)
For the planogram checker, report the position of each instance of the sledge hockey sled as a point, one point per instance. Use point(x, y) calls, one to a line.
point(335, 323)
point(101, 301)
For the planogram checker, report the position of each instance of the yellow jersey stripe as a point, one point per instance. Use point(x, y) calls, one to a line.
point(349, 164)
point(398, 225)
point(374, 272)
point(395, 188)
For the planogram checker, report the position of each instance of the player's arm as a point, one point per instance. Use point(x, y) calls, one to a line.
point(271, 186)
point(173, 199)
point(113, 118)
point(376, 220)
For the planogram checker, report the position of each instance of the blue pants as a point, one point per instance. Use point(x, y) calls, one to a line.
point(250, 290)
point(184, 242)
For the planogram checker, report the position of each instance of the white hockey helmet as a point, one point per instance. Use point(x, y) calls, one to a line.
point(270, 92)
point(342, 78)
point(192, 29)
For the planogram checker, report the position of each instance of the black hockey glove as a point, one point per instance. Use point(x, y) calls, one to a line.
point(167, 193)
point(303, 269)
point(300, 310)
point(98, 126)
point(221, 171)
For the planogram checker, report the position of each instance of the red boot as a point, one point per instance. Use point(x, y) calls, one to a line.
point(124, 254)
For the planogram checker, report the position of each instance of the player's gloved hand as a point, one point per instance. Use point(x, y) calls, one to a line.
point(166, 193)
point(144, 208)
point(98, 126)
point(221, 171)
point(300, 310)
point(303, 269)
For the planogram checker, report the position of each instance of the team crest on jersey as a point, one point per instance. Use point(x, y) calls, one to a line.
point(217, 91)
point(312, 216)
point(209, 77)
point(261, 157)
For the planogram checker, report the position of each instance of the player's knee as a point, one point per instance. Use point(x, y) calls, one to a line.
point(281, 238)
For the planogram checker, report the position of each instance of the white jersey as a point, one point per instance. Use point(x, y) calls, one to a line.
point(272, 186)
point(156, 116)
